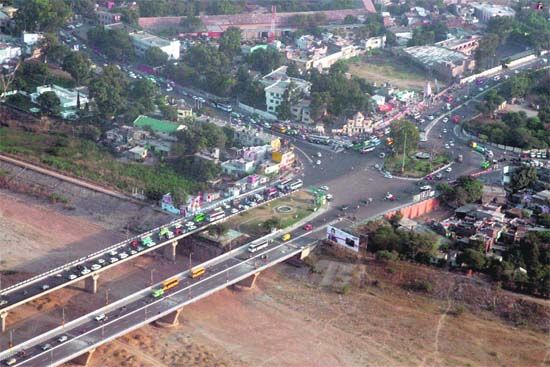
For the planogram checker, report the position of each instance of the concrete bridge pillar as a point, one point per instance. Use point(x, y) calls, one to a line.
point(248, 282)
point(3, 320)
point(90, 283)
point(170, 251)
point(169, 320)
point(83, 359)
point(305, 253)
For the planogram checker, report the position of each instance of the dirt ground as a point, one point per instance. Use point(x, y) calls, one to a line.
point(296, 318)
point(387, 69)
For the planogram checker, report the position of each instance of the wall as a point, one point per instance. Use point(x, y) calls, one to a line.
point(489, 144)
point(263, 114)
point(416, 210)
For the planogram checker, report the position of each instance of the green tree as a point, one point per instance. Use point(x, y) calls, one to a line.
point(78, 65)
point(115, 44)
point(41, 15)
point(491, 101)
point(144, 92)
point(218, 230)
point(109, 91)
point(486, 51)
point(472, 258)
point(405, 136)
point(517, 86)
point(385, 238)
point(230, 42)
point(154, 57)
point(265, 61)
point(49, 102)
point(523, 178)
point(271, 224)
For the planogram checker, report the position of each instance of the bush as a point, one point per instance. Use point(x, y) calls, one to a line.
point(420, 286)
point(384, 255)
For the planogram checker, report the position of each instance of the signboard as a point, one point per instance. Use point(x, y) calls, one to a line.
point(342, 238)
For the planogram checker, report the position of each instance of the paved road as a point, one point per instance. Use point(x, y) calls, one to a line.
point(138, 309)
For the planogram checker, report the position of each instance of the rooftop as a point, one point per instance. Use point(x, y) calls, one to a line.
point(431, 55)
point(161, 126)
point(150, 39)
point(495, 10)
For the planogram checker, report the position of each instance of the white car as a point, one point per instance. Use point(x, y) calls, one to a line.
point(72, 276)
point(449, 169)
point(431, 117)
point(447, 146)
point(46, 346)
point(123, 255)
point(318, 162)
point(444, 131)
point(382, 155)
point(45, 287)
point(324, 188)
point(113, 260)
point(101, 261)
point(387, 175)
point(425, 188)
point(62, 339)
point(329, 197)
point(319, 154)
point(189, 224)
point(85, 271)
point(100, 318)
point(95, 267)
point(445, 119)
point(234, 211)
point(113, 253)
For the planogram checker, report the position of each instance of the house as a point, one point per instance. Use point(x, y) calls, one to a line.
point(285, 159)
point(138, 153)
point(143, 41)
point(9, 52)
point(71, 100)
point(375, 43)
point(486, 11)
point(105, 17)
point(238, 167)
point(493, 194)
point(277, 83)
point(163, 128)
point(184, 110)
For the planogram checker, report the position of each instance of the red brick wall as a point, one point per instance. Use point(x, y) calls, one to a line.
point(417, 209)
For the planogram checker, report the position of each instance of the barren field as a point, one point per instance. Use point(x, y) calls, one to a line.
point(297, 318)
point(385, 69)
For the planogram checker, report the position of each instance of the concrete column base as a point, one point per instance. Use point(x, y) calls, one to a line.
point(248, 283)
point(170, 320)
point(305, 253)
point(83, 359)
point(170, 251)
point(3, 320)
point(90, 283)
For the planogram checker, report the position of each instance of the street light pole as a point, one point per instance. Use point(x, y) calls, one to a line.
point(404, 150)
point(151, 277)
point(107, 296)
point(62, 316)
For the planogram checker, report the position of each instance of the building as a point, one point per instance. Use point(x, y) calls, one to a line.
point(484, 12)
point(373, 43)
point(143, 41)
point(160, 127)
point(238, 167)
point(276, 84)
point(447, 63)
point(71, 100)
point(9, 52)
point(355, 125)
point(184, 110)
point(285, 159)
point(105, 17)
point(138, 153)
point(466, 45)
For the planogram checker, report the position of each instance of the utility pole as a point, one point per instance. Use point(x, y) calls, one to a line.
point(62, 316)
point(404, 150)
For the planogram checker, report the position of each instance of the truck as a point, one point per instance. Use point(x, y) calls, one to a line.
point(460, 158)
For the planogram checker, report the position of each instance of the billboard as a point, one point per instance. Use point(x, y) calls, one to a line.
point(342, 238)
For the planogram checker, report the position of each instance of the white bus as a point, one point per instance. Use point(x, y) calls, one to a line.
point(216, 214)
point(224, 107)
point(257, 246)
point(295, 185)
point(283, 184)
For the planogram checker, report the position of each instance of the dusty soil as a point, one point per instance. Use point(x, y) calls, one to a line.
point(298, 318)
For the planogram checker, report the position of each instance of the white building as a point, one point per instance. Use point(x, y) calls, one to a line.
point(375, 42)
point(8, 52)
point(143, 41)
point(69, 98)
point(485, 11)
point(30, 39)
point(277, 82)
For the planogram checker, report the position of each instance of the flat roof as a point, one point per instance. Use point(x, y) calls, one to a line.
point(150, 39)
point(161, 126)
point(430, 55)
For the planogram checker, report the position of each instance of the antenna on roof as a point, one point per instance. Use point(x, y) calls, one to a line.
point(271, 36)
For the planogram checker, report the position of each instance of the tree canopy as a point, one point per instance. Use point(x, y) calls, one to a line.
point(230, 42)
point(109, 91)
point(405, 136)
point(466, 190)
point(115, 44)
point(154, 57)
point(50, 103)
point(78, 65)
point(41, 15)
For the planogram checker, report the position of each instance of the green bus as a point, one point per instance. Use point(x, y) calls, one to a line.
point(485, 165)
point(157, 293)
point(201, 217)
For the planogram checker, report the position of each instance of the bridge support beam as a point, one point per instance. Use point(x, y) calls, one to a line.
point(170, 251)
point(305, 253)
point(3, 320)
point(83, 359)
point(248, 282)
point(170, 320)
point(90, 283)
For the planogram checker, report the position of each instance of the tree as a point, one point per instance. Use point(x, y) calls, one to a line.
point(78, 65)
point(50, 103)
point(41, 15)
point(523, 178)
point(350, 19)
point(144, 92)
point(486, 51)
point(473, 259)
point(230, 42)
point(405, 136)
point(491, 101)
point(218, 229)
point(115, 44)
point(191, 24)
point(284, 109)
point(272, 224)
point(517, 86)
point(128, 15)
point(385, 238)
point(265, 61)
point(154, 57)
point(471, 186)
point(109, 91)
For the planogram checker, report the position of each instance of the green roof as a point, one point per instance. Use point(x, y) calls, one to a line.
point(159, 126)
